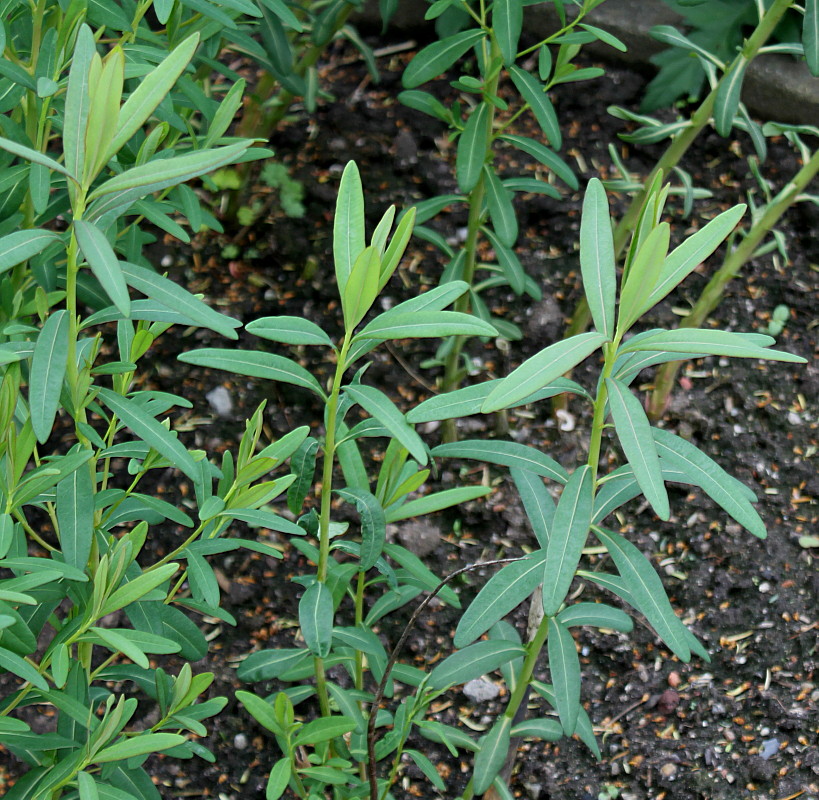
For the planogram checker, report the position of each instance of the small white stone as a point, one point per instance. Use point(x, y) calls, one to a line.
point(220, 401)
point(479, 690)
point(764, 587)
point(240, 741)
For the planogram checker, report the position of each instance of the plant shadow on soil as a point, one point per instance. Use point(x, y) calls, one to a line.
point(745, 725)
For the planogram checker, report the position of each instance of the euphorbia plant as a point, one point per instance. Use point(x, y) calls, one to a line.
point(350, 744)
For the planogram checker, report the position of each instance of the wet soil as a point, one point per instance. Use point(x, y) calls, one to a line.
point(743, 726)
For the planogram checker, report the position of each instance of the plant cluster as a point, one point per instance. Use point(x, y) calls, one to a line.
point(107, 119)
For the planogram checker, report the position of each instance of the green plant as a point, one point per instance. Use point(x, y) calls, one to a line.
point(496, 87)
point(354, 745)
point(84, 599)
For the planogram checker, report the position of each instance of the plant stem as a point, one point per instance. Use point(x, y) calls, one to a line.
point(714, 290)
point(599, 420)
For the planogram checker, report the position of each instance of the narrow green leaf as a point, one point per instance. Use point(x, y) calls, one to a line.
point(495, 745)
point(501, 210)
point(532, 186)
point(268, 664)
point(501, 594)
point(348, 225)
point(322, 730)
point(203, 584)
point(361, 287)
point(646, 591)
point(21, 245)
point(279, 779)
point(34, 156)
point(396, 248)
point(379, 406)
point(605, 36)
point(668, 34)
point(22, 669)
point(597, 259)
point(438, 57)
point(152, 90)
point(635, 434)
point(78, 101)
point(255, 364)
point(532, 91)
point(104, 264)
point(508, 454)
point(428, 768)
point(567, 538)
point(642, 277)
point(726, 103)
point(712, 478)
point(507, 22)
point(425, 325)
point(138, 746)
point(117, 643)
point(430, 503)
point(87, 786)
point(565, 668)
point(537, 502)
point(48, 366)
point(290, 330)
point(710, 342)
point(508, 262)
point(546, 156)
point(810, 35)
point(472, 662)
point(683, 260)
point(173, 296)
point(150, 431)
point(316, 619)
point(550, 730)
point(373, 524)
point(415, 567)
point(472, 146)
point(598, 615)
point(541, 369)
point(137, 588)
point(75, 517)
point(425, 103)
point(261, 710)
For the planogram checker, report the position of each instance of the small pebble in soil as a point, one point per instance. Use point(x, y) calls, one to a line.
point(669, 771)
point(480, 691)
point(240, 741)
point(220, 401)
point(674, 679)
point(770, 747)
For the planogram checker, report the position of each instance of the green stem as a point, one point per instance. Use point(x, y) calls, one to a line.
point(714, 290)
point(599, 420)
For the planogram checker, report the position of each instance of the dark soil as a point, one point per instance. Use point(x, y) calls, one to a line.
point(743, 726)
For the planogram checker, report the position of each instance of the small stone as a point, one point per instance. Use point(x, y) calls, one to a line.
point(770, 747)
point(220, 401)
point(764, 587)
point(669, 771)
point(240, 741)
point(668, 701)
point(480, 691)
point(674, 679)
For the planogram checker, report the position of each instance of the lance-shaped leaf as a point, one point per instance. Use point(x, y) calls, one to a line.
point(425, 325)
point(712, 478)
point(437, 501)
point(425, 103)
point(537, 502)
point(22, 669)
point(643, 275)
point(138, 746)
point(290, 330)
point(48, 366)
point(683, 260)
point(22, 245)
point(104, 264)
point(361, 287)
point(415, 567)
point(634, 432)
point(173, 296)
point(507, 22)
point(78, 100)
point(546, 156)
point(645, 590)
point(501, 210)
point(621, 486)
point(532, 91)
point(494, 747)
point(278, 780)
point(35, 156)
point(726, 102)
point(152, 90)
point(565, 668)
point(541, 369)
point(568, 535)
point(150, 431)
point(501, 594)
point(711, 342)
point(668, 34)
point(348, 225)
point(428, 768)
point(508, 262)
point(137, 588)
point(508, 454)
point(378, 405)
point(75, 517)
point(262, 711)
point(473, 661)
point(395, 249)
point(598, 615)
point(373, 524)
point(597, 260)
point(117, 194)
point(322, 730)
point(268, 664)
point(438, 57)
point(316, 619)
point(810, 36)
point(472, 144)
point(255, 364)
